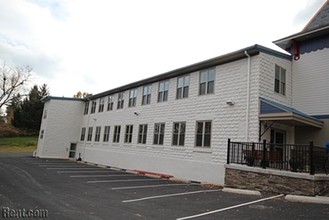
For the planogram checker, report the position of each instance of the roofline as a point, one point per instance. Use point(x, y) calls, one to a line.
point(226, 58)
point(315, 15)
point(48, 98)
point(285, 43)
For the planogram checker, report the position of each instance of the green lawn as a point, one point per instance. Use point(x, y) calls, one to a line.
point(18, 144)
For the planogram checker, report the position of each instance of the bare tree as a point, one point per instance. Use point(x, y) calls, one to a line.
point(12, 81)
point(81, 95)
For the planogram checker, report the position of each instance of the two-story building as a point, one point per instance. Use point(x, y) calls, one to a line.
point(178, 123)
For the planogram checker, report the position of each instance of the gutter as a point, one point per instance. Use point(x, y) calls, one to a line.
point(248, 95)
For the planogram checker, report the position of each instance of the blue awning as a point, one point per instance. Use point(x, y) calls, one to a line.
point(273, 111)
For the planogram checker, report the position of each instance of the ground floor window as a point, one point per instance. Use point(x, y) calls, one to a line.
point(83, 134)
point(178, 137)
point(106, 133)
point(97, 133)
point(142, 134)
point(90, 133)
point(203, 134)
point(129, 133)
point(159, 129)
point(116, 135)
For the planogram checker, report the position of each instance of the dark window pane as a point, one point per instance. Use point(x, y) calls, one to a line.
point(199, 140)
point(181, 139)
point(210, 88)
point(202, 89)
point(206, 140)
point(185, 92)
point(175, 139)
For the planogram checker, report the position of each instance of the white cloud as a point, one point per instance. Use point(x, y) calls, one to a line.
point(97, 45)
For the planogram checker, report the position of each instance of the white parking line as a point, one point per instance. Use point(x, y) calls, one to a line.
point(170, 195)
point(86, 171)
point(149, 186)
point(127, 180)
point(106, 175)
point(228, 208)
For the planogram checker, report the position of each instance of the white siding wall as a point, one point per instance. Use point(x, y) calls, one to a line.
point(187, 162)
point(311, 80)
point(61, 127)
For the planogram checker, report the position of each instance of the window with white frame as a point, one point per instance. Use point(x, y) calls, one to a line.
point(147, 90)
point(106, 134)
point(203, 134)
point(90, 134)
point(159, 129)
point(101, 105)
point(207, 81)
point(83, 134)
point(42, 132)
point(116, 135)
point(86, 108)
point(93, 107)
point(183, 84)
point(132, 97)
point(129, 133)
point(178, 136)
point(163, 91)
point(142, 134)
point(110, 103)
point(120, 100)
point(280, 80)
point(97, 133)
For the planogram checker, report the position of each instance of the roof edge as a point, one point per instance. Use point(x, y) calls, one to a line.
point(48, 98)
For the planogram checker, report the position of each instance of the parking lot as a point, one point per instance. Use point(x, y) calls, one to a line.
point(72, 190)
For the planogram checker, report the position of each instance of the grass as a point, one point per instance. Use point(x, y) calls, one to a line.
point(18, 144)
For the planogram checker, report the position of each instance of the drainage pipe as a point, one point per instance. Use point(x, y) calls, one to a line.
point(248, 95)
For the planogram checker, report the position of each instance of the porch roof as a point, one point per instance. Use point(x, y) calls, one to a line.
point(273, 111)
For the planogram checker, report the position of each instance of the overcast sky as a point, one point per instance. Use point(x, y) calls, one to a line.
point(97, 45)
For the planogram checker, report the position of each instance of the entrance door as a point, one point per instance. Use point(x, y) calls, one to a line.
point(278, 137)
point(73, 148)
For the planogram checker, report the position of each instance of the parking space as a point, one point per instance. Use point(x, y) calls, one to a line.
point(75, 190)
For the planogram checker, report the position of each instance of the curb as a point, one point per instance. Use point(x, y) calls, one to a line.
point(308, 199)
point(242, 191)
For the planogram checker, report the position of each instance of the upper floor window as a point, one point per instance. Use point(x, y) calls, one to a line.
point(158, 137)
point(101, 105)
point(182, 87)
point(146, 95)
point(132, 97)
point(116, 134)
point(178, 138)
point(97, 133)
point(86, 108)
point(93, 107)
point(142, 134)
point(106, 134)
point(163, 91)
point(120, 100)
point(207, 81)
point(280, 80)
point(110, 103)
point(45, 114)
point(203, 134)
point(83, 134)
point(42, 132)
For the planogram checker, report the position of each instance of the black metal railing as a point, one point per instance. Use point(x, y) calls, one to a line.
point(294, 157)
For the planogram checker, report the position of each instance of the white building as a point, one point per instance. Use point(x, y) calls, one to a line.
point(178, 123)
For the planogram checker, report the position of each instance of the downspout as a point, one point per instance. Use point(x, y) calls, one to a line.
point(248, 95)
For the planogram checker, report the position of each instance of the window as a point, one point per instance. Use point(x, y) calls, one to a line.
point(86, 108)
point(93, 107)
point(45, 114)
point(163, 91)
point(106, 134)
point(147, 95)
point(207, 81)
point(90, 133)
point(178, 138)
point(182, 87)
point(98, 133)
point(142, 134)
point(203, 133)
point(101, 105)
point(83, 134)
point(132, 97)
point(42, 134)
point(280, 80)
point(129, 133)
point(110, 103)
point(116, 135)
point(158, 137)
point(120, 100)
